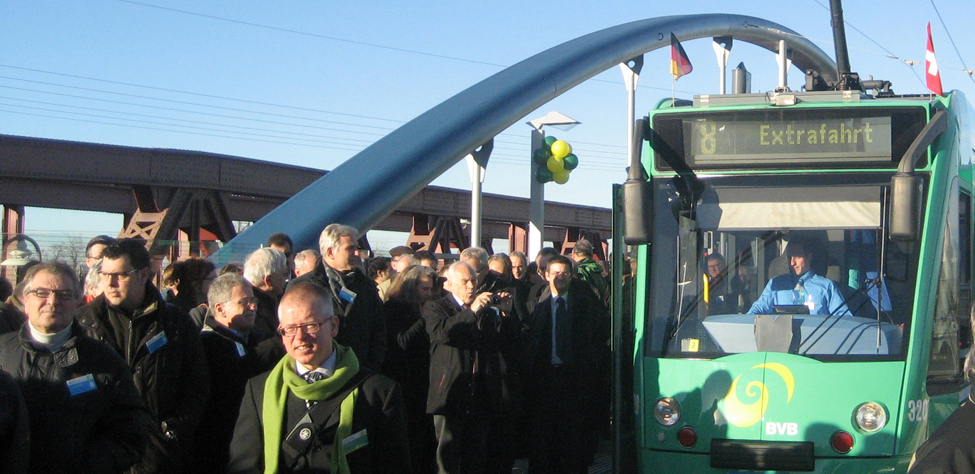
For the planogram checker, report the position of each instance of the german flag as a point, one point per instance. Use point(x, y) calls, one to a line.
point(679, 64)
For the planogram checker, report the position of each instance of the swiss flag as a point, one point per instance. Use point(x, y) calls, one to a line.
point(932, 73)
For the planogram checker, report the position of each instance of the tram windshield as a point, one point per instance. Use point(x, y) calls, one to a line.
point(785, 264)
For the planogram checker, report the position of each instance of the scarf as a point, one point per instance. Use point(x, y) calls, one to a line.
point(282, 380)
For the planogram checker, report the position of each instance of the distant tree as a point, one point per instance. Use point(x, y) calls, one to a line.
point(71, 250)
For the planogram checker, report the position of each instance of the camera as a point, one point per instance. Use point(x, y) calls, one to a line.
point(495, 299)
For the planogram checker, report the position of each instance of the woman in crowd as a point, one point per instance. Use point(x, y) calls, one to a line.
point(408, 358)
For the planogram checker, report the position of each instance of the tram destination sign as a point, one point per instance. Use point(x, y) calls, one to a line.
point(710, 141)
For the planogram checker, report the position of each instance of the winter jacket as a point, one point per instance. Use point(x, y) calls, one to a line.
point(162, 347)
point(84, 410)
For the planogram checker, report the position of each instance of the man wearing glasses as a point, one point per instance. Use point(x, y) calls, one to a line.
point(85, 414)
point(318, 409)
point(231, 358)
point(161, 345)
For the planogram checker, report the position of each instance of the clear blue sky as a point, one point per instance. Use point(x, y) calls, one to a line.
point(311, 83)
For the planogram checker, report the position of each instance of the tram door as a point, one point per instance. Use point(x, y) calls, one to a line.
point(624, 264)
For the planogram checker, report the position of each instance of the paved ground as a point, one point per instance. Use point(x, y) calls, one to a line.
point(602, 465)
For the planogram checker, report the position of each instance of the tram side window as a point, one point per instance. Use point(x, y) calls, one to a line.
point(943, 363)
point(965, 268)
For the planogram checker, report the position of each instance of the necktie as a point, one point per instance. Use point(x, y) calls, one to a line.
point(561, 314)
point(314, 376)
point(799, 293)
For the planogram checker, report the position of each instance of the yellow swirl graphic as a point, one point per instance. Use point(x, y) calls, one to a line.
point(747, 414)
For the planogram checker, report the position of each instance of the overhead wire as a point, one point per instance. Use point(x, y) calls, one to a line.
point(209, 96)
point(952, 40)
point(182, 110)
point(359, 43)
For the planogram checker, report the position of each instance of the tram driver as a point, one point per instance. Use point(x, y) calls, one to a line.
point(801, 286)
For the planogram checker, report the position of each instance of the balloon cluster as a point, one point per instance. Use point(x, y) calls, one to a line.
point(555, 160)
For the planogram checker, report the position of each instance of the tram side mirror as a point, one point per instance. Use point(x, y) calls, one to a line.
point(637, 196)
point(637, 212)
point(907, 190)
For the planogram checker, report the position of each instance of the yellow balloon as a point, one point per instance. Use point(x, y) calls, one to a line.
point(561, 149)
point(554, 165)
point(561, 177)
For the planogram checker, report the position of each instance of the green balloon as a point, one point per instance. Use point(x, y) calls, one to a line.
point(570, 161)
point(550, 140)
point(543, 175)
point(540, 156)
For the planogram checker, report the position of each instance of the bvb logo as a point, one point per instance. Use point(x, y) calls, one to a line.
point(744, 415)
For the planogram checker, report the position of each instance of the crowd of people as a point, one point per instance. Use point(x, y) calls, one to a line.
point(315, 361)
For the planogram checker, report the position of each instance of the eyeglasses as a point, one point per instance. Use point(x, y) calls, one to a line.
point(246, 302)
point(307, 328)
point(122, 276)
point(45, 293)
point(558, 274)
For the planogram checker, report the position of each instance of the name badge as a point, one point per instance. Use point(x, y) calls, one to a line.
point(240, 349)
point(347, 295)
point(83, 384)
point(156, 342)
point(355, 441)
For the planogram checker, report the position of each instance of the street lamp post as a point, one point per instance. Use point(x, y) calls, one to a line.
point(477, 162)
point(536, 214)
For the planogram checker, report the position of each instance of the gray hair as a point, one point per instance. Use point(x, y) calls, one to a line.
point(307, 288)
point(92, 279)
point(264, 262)
point(223, 286)
point(332, 235)
point(478, 254)
point(505, 262)
point(306, 254)
point(452, 270)
point(56, 268)
point(521, 255)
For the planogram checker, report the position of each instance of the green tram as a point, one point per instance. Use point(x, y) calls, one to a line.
point(880, 190)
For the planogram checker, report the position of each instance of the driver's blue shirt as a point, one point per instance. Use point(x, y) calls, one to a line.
point(822, 296)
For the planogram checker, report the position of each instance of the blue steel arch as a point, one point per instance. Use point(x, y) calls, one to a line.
point(374, 182)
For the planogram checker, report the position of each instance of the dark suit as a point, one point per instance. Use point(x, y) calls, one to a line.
point(266, 319)
point(379, 410)
point(232, 362)
point(362, 324)
point(562, 396)
point(472, 396)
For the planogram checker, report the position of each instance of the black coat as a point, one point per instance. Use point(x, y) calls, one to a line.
point(378, 410)
point(266, 319)
point(232, 362)
point(471, 359)
point(579, 360)
point(951, 447)
point(408, 354)
point(362, 325)
point(14, 427)
point(101, 428)
point(173, 379)
point(11, 318)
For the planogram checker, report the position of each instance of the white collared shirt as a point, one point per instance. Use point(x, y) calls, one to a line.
point(327, 368)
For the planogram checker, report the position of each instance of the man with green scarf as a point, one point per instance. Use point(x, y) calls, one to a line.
point(317, 410)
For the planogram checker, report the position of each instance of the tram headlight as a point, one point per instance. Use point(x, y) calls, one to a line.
point(870, 417)
point(667, 411)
